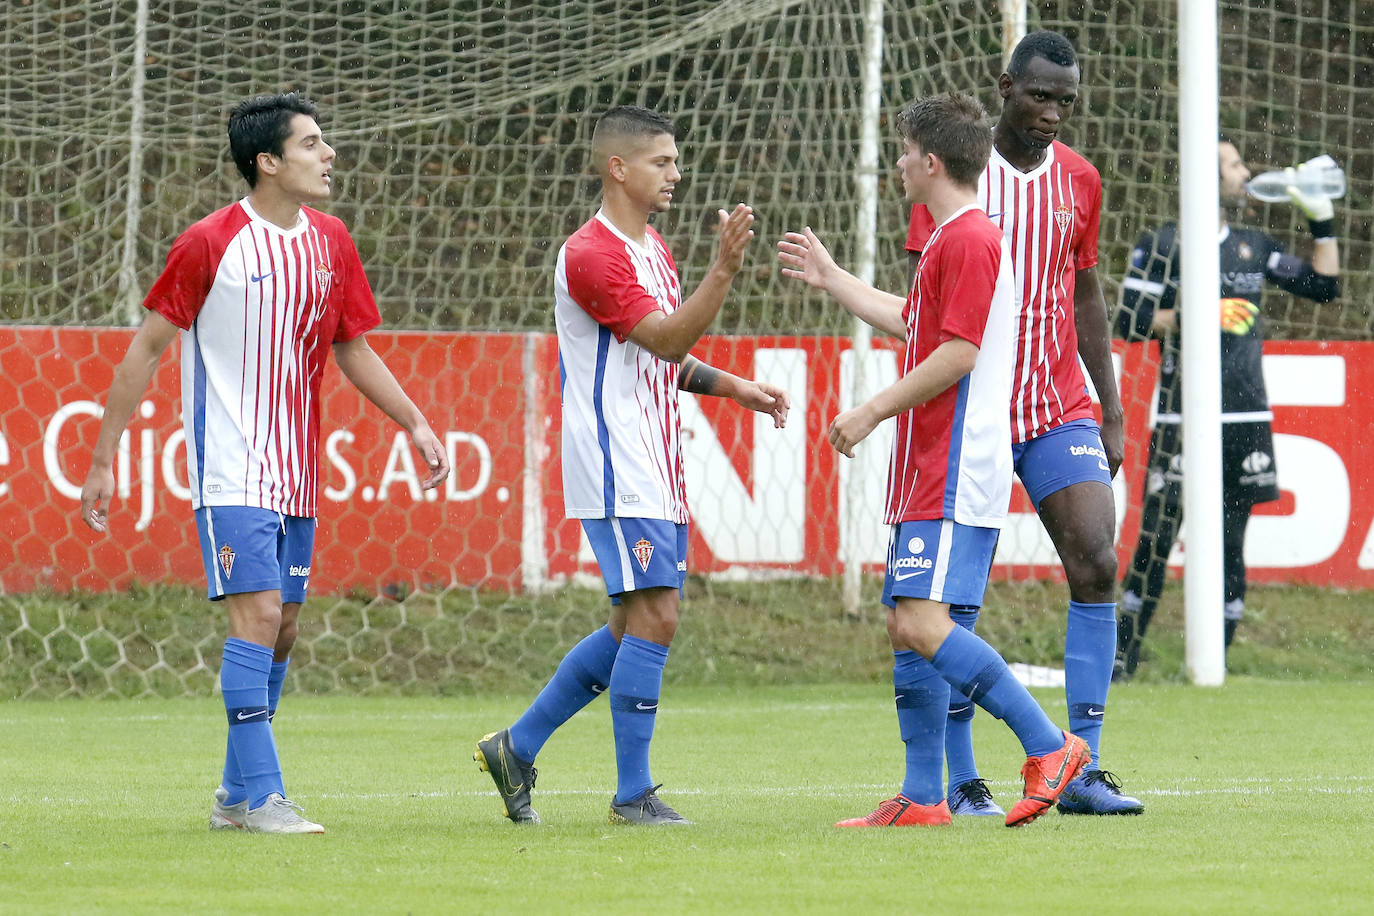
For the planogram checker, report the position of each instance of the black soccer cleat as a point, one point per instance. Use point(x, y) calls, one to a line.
point(514, 777)
point(648, 810)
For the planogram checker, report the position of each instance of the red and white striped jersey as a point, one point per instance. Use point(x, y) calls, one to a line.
point(951, 456)
point(622, 449)
point(1050, 217)
point(258, 307)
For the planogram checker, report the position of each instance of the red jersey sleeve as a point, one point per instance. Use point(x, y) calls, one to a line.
point(966, 277)
point(605, 285)
point(185, 281)
point(358, 312)
point(918, 233)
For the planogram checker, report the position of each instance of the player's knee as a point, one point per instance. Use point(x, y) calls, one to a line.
point(1092, 573)
point(917, 632)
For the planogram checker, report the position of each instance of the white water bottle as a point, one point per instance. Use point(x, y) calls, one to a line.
point(1320, 176)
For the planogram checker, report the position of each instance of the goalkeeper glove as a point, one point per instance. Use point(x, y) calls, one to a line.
point(1238, 315)
point(1314, 205)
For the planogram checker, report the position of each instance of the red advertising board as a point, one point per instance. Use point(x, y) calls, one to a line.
point(764, 501)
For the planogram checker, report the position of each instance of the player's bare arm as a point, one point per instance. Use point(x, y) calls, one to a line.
point(805, 258)
point(1090, 316)
point(361, 365)
point(131, 379)
point(697, 377)
point(948, 363)
point(671, 337)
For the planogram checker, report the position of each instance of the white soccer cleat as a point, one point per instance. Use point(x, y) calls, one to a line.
point(277, 815)
point(227, 817)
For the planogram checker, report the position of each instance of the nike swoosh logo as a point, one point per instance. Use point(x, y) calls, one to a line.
point(995, 215)
point(1103, 466)
point(598, 688)
point(901, 577)
point(1096, 712)
point(641, 706)
point(506, 771)
point(960, 709)
point(242, 718)
point(1058, 777)
point(259, 279)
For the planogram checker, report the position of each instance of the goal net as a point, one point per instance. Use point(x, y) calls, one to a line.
point(462, 131)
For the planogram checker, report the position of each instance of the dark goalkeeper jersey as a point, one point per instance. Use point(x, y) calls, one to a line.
point(1248, 258)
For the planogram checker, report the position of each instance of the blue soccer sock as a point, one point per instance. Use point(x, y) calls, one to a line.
point(1089, 649)
point(922, 704)
point(233, 780)
point(959, 723)
point(243, 676)
point(582, 676)
point(636, 679)
point(975, 669)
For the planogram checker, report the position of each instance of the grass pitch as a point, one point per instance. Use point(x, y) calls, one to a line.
point(1257, 799)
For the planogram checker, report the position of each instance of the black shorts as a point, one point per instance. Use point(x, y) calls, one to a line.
point(1248, 473)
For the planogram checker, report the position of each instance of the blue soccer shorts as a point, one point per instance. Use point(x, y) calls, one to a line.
point(638, 553)
point(1060, 458)
point(246, 549)
point(939, 559)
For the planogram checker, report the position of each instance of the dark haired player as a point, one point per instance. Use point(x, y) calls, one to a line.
point(1149, 309)
point(949, 480)
point(1046, 200)
point(624, 332)
point(260, 292)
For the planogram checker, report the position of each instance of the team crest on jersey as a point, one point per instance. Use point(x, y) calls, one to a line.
point(1245, 251)
point(643, 551)
point(322, 274)
point(226, 560)
point(1063, 217)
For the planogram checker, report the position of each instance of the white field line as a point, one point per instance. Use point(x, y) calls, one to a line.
point(1342, 785)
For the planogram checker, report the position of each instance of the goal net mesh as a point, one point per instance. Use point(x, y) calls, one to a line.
point(462, 131)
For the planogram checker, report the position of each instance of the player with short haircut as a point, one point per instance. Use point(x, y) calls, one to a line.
point(1149, 309)
point(259, 293)
point(624, 332)
point(949, 481)
point(1046, 199)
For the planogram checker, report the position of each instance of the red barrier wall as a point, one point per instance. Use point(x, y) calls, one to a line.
point(762, 499)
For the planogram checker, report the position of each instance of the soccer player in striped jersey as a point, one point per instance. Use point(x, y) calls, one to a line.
point(259, 292)
point(1046, 200)
point(624, 332)
point(949, 480)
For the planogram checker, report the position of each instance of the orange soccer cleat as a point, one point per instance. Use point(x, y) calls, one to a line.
point(902, 812)
point(1046, 778)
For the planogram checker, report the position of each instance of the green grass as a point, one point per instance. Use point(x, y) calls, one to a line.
point(1257, 801)
point(165, 641)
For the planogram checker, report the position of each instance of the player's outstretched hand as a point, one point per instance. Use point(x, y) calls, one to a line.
point(850, 428)
point(764, 398)
point(736, 229)
point(96, 494)
point(804, 258)
point(432, 451)
point(1316, 207)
